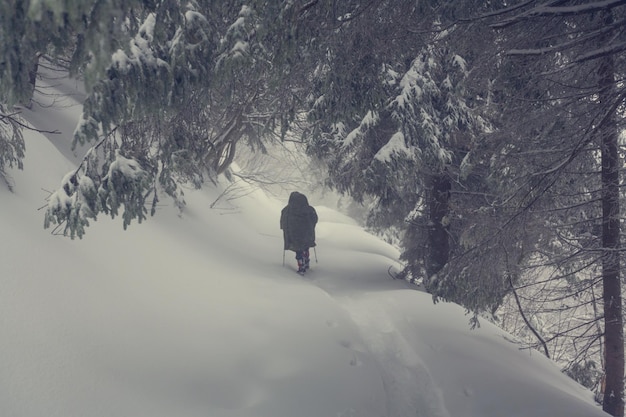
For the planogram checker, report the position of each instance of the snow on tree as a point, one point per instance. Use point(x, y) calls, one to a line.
point(80, 33)
point(12, 145)
point(569, 189)
point(193, 82)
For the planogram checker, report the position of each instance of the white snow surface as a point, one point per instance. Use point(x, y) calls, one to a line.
point(194, 315)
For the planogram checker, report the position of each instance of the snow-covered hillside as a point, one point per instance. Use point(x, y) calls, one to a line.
point(194, 315)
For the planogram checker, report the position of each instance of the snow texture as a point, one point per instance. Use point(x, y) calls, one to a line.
point(194, 315)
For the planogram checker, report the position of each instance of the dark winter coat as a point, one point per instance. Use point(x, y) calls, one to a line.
point(298, 220)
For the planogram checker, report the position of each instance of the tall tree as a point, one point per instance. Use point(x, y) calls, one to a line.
point(412, 142)
point(578, 44)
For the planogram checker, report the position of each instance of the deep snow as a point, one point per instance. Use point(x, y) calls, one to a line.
point(194, 315)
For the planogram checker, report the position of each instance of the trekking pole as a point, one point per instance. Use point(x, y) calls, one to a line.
point(315, 252)
point(283, 258)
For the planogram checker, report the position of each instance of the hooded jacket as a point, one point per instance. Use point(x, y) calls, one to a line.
point(298, 220)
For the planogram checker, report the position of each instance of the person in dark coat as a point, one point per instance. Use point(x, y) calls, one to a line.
point(298, 220)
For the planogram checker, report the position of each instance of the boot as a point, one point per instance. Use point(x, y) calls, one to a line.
point(301, 266)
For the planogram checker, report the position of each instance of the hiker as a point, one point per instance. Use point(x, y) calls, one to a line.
point(298, 220)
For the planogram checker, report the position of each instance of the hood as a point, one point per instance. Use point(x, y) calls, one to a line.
point(297, 199)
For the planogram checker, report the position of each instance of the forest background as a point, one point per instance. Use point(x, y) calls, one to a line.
point(484, 138)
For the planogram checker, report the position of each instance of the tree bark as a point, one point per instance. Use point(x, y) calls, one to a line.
point(439, 245)
point(613, 401)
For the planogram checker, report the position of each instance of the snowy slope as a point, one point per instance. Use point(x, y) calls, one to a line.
point(194, 315)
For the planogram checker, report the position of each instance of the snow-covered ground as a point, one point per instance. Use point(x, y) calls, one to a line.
point(195, 315)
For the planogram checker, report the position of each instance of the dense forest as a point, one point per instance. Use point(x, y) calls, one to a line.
point(486, 135)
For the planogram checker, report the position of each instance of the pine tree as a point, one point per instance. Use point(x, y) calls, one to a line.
point(32, 29)
point(193, 82)
point(411, 142)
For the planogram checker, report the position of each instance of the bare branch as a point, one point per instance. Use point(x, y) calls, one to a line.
point(528, 324)
point(554, 9)
point(14, 117)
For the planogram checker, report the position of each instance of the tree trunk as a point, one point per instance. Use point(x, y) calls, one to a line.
point(613, 402)
point(32, 76)
point(439, 246)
